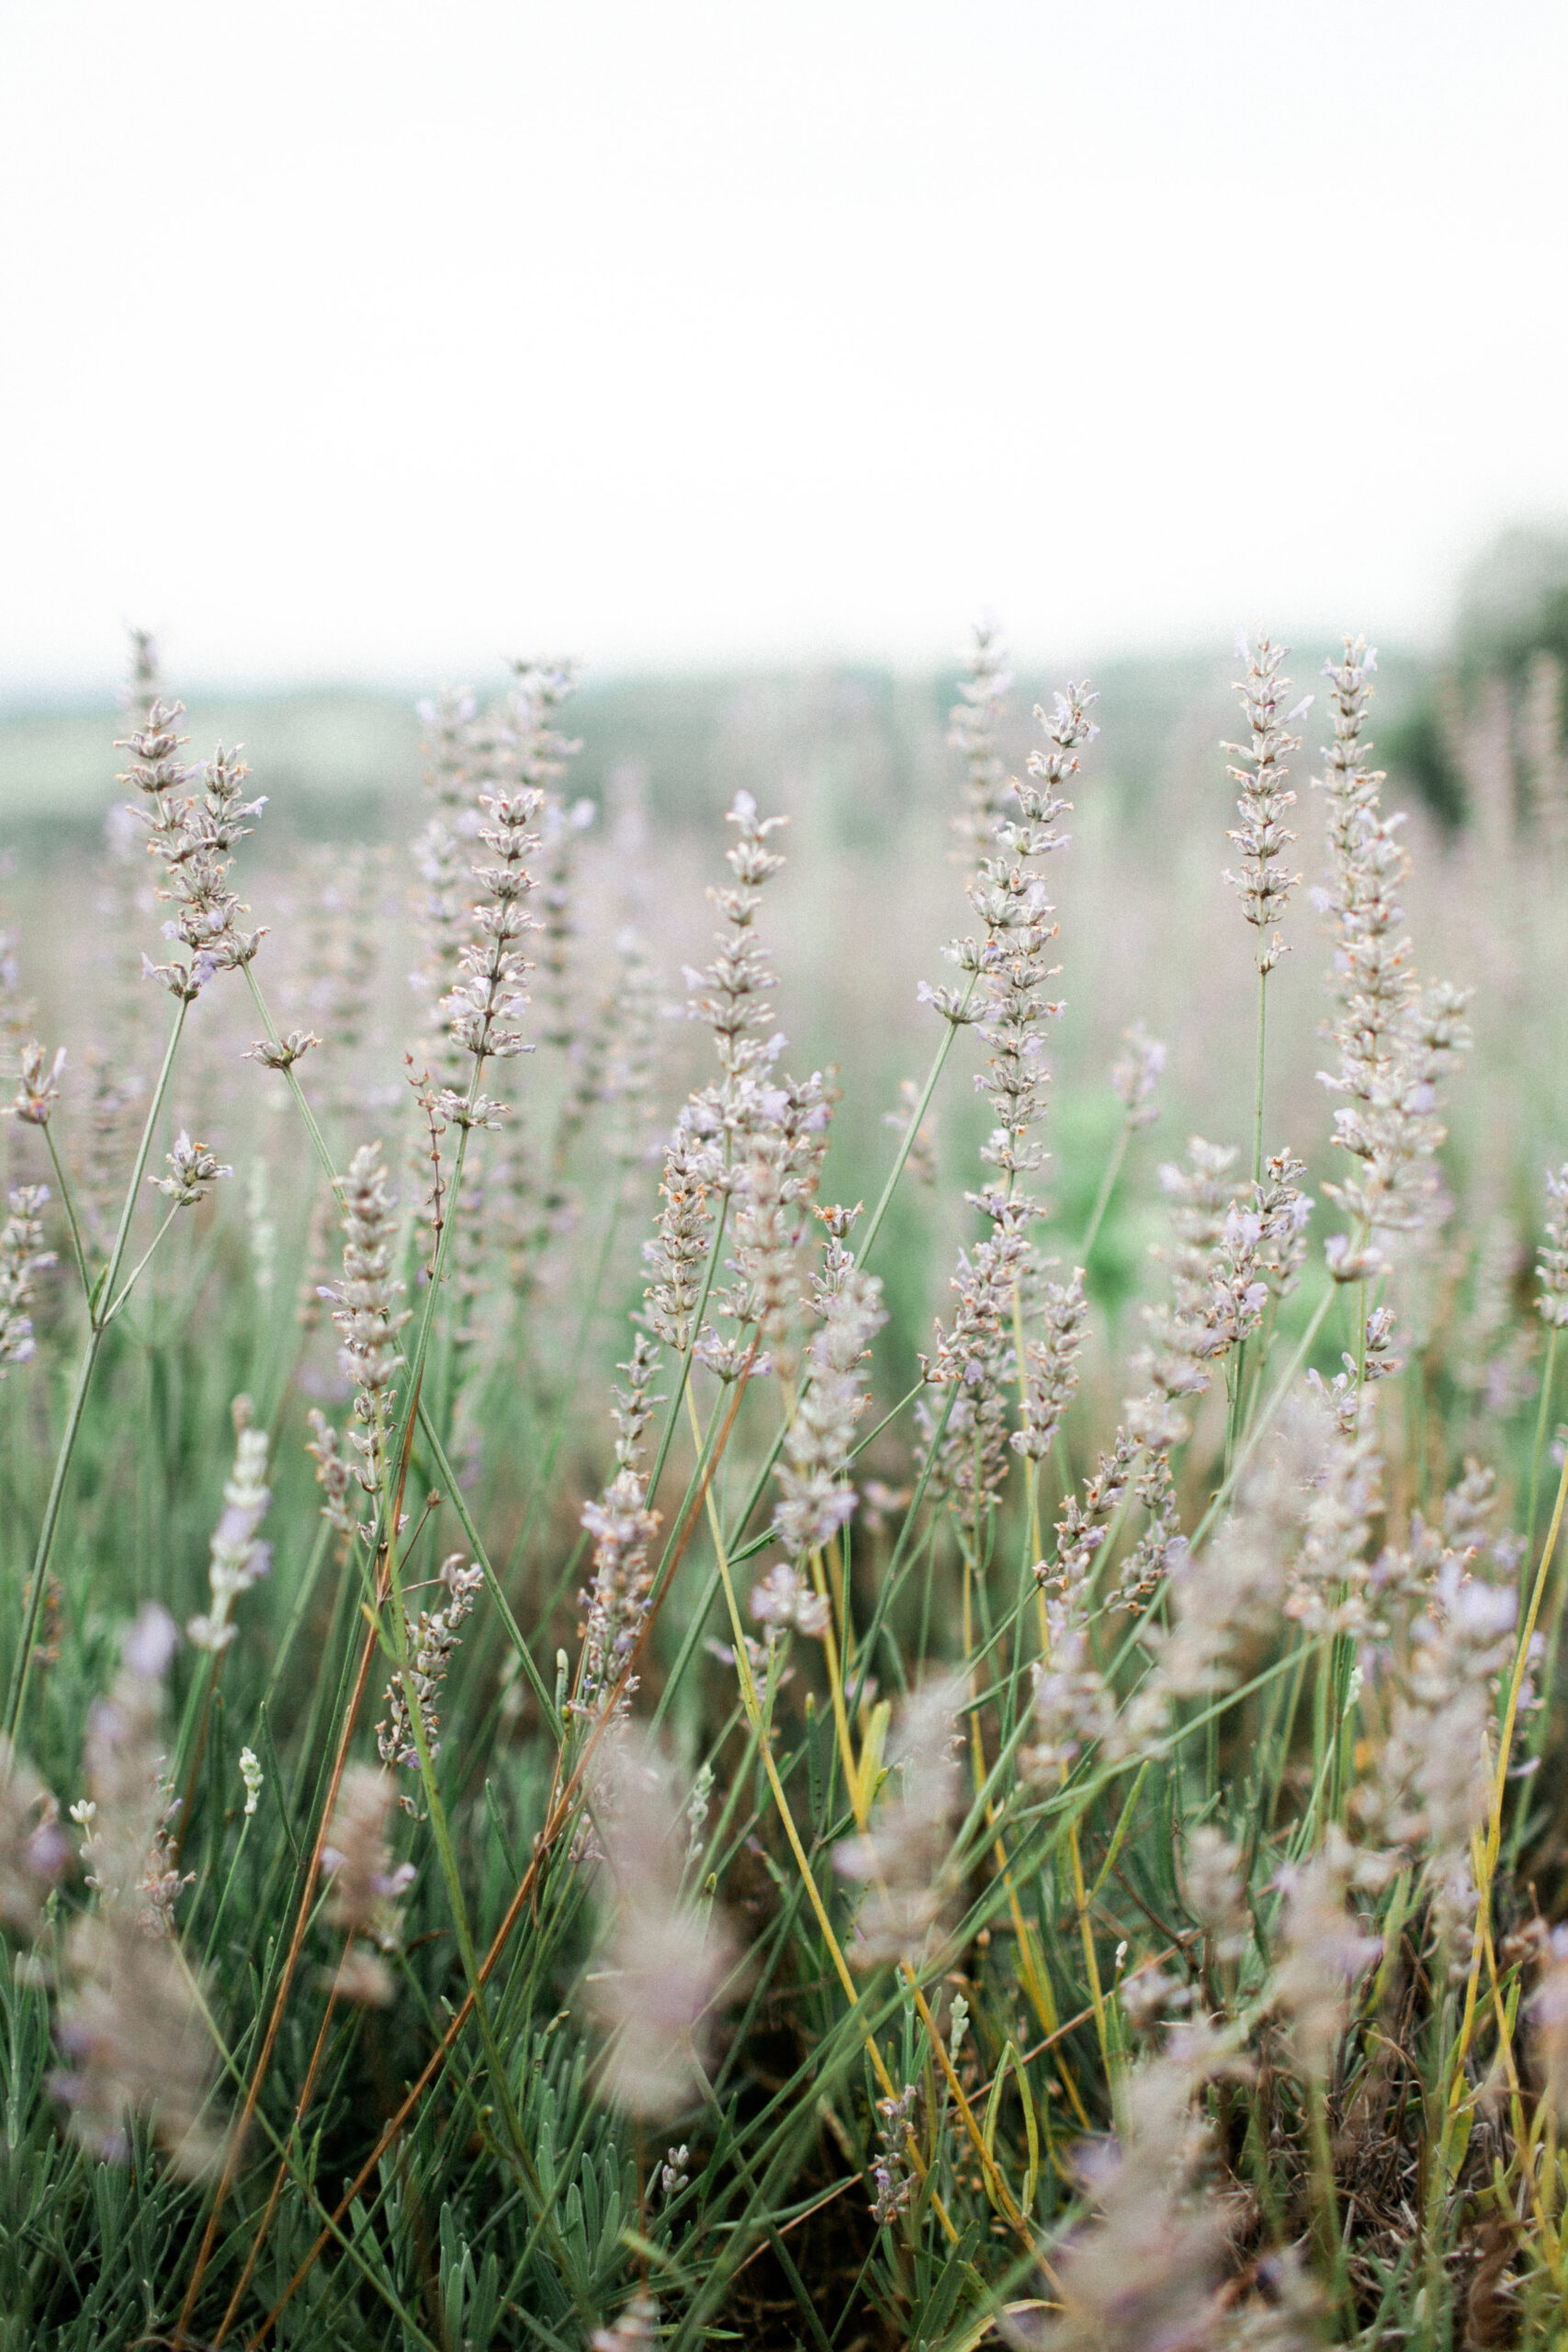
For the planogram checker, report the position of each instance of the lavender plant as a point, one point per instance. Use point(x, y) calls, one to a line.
point(675, 1814)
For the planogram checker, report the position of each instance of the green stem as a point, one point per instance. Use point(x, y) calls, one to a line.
point(912, 1130)
point(68, 1207)
point(1542, 1422)
point(107, 1317)
point(22, 1669)
point(1258, 1097)
point(1102, 1201)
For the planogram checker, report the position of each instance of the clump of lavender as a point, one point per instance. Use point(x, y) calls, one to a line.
point(431, 1646)
point(660, 1959)
point(22, 1259)
point(365, 1309)
point(239, 1557)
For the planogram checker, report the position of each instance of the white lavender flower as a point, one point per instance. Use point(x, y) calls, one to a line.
point(487, 997)
point(974, 725)
point(1264, 884)
point(239, 1557)
point(250, 1776)
point(1396, 1041)
point(431, 1646)
point(33, 1852)
point(364, 1887)
point(1322, 1949)
point(22, 1260)
point(1553, 1258)
point(334, 1475)
point(659, 1958)
point(193, 834)
point(676, 1256)
point(816, 1499)
point(1143, 2272)
point(132, 2027)
point(365, 1309)
point(1051, 1371)
point(37, 1088)
point(193, 1172)
point(616, 1600)
point(891, 2174)
point(904, 1860)
point(127, 1816)
point(1432, 1789)
point(785, 1603)
point(921, 1160)
point(1136, 1078)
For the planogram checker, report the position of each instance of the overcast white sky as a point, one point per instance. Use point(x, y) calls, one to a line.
point(365, 338)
